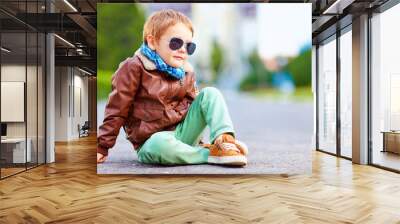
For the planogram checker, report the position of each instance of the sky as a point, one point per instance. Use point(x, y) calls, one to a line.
point(283, 29)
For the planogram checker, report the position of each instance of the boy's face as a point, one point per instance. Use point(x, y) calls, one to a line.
point(174, 58)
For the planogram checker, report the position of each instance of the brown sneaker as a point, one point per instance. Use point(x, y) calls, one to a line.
point(225, 154)
point(227, 139)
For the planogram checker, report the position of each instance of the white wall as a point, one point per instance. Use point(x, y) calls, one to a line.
point(70, 83)
point(61, 103)
point(17, 73)
point(80, 88)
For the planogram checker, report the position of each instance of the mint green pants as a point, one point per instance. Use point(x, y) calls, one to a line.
point(180, 146)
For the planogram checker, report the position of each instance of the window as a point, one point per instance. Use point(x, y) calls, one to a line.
point(327, 96)
point(23, 89)
point(385, 89)
point(346, 93)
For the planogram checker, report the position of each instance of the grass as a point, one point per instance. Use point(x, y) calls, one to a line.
point(103, 84)
point(301, 94)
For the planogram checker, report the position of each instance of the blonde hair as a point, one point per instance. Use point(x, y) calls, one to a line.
point(160, 21)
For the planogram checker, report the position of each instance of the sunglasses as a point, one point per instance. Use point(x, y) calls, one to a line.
point(176, 43)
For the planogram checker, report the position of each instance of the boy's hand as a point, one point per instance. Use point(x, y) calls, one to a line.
point(101, 158)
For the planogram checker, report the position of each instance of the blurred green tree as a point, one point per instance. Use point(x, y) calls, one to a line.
point(300, 68)
point(258, 75)
point(217, 60)
point(119, 33)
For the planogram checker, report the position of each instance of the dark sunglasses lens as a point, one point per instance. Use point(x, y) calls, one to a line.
point(175, 43)
point(190, 48)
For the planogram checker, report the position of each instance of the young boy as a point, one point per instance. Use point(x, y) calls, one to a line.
point(155, 99)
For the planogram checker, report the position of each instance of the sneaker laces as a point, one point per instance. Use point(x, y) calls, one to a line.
point(228, 146)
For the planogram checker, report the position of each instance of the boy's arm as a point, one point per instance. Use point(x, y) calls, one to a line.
point(196, 89)
point(125, 82)
point(193, 91)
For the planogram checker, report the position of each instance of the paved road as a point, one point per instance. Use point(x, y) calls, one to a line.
point(278, 135)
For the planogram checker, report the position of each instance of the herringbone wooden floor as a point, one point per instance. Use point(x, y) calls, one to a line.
point(70, 191)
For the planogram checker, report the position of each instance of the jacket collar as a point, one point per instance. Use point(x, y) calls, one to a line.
point(149, 65)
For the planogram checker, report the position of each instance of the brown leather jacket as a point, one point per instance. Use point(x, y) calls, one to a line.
point(144, 101)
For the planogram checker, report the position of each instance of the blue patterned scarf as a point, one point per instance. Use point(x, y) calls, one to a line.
point(178, 73)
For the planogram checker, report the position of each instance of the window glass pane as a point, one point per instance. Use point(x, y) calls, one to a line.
point(327, 96)
point(13, 89)
point(386, 88)
point(23, 60)
point(346, 93)
point(31, 97)
point(41, 97)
